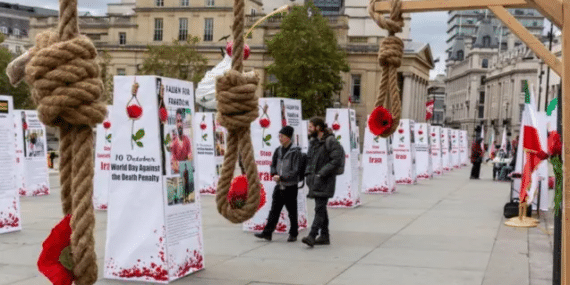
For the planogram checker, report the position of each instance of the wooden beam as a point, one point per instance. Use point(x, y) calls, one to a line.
point(551, 9)
point(447, 5)
point(565, 259)
point(530, 40)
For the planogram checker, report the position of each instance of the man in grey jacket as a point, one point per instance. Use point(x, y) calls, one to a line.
point(285, 171)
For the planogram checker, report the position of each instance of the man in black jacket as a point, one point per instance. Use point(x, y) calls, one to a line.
point(285, 171)
point(324, 157)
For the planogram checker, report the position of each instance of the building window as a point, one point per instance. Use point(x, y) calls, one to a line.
point(158, 26)
point(486, 41)
point(210, 3)
point(483, 80)
point(356, 87)
point(184, 3)
point(183, 32)
point(485, 63)
point(253, 12)
point(121, 72)
point(16, 32)
point(459, 55)
point(522, 86)
point(159, 3)
point(122, 38)
point(208, 29)
point(481, 112)
point(4, 30)
point(481, 97)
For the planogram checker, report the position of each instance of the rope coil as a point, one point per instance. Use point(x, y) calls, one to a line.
point(390, 56)
point(66, 86)
point(237, 109)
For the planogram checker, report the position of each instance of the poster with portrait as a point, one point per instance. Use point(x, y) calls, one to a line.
point(31, 148)
point(343, 125)
point(403, 142)
point(377, 164)
point(102, 162)
point(274, 114)
point(463, 147)
point(154, 226)
point(10, 216)
point(445, 150)
point(204, 137)
point(435, 137)
point(423, 155)
point(454, 139)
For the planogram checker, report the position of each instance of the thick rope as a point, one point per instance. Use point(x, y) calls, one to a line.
point(390, 57)
point(66, 86)
point(239, 41)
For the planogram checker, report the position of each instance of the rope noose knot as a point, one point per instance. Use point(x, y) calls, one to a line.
point(237, 102)
point(65, 80)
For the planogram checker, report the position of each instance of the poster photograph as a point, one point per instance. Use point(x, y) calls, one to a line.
point(204, 138)
point(377, 165)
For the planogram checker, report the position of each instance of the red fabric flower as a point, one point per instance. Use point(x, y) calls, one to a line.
point(134, 111)
point(163, 114)
point(380, 121)
point(49, 261)
point(264, 122)
point(237, 196)
point(246, 50)
point(203, 126)
point(551, 181)
point(554, 143)
point(107, 125)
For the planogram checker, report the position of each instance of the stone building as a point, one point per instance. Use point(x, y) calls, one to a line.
point(15, 24)
point(436, 91)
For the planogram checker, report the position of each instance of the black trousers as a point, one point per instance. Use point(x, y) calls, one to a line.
point(321, 221)
point(475, 170)
point(288, 198)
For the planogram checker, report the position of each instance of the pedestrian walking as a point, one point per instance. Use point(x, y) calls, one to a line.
point(285, 170)
point(476, 158)
point(324, 159)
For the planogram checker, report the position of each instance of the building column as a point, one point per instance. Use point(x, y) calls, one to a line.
point(416, 98)
point(407, 96)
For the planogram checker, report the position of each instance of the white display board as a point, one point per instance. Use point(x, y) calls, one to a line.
point(204, 138)
point(220, 140)
point(435, 137)
point(102, 174)
point(10, 217)
point(377, 164)
point(463, 148)
point(31, 149)
point(423, 151)
point(454, 139)
point(403, 141)
point(343, 124)
point(154, 224)
point(445, 150)
point(274, 114)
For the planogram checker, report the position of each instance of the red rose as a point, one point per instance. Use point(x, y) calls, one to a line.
point(49, 261)
point(554, 143)
point(107, 125)
point(336, 127)
point(420, 132)
point(237, 196)
point(203, 126)
point(433, 135)
point(163, 114)
point(401, 131)
point(380, 121)
point(246, 50)
point(264, 122)
point(134, 111)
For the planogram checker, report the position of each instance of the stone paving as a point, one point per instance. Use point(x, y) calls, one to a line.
point(448, 230)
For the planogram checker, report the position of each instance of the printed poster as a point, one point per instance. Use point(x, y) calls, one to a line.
point(102, 176)
point(274, 114)
point(423, 156)
point(204, 134)
point(454, 138)
point(435, 136)
point(445, 150)
point(154, 227)
point(377, 164)
point(10, 217)
point(220, 141)
point(31, 150)
point(403, 141)
point(463, 148)
point(343, 125)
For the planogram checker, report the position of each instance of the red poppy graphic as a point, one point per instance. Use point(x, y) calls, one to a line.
point(401, 131)
point(237, 196)
point(25, 126)
point(433, 135)
point(246, 50)
point(420, 132)
point(554, 143)
point(380, 121)
point(163, 114)
point(107, 125)
point(336, 126)
point(264, 123)
point(55, 259)
point(203, 126)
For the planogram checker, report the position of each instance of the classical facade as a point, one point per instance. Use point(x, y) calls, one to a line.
point(552, 88)
point(15, 24)
point(436, 92)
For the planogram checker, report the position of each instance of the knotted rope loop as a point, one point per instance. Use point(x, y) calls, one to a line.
point(237, 102)
point(390, 56)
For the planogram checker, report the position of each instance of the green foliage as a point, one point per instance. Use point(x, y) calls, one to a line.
point(178, 60)
point(307, 60)
point(21, 93)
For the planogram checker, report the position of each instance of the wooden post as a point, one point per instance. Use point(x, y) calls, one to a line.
point(566, 142)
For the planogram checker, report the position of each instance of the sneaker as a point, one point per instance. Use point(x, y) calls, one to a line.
point(263, 236)
point(292, 238)
point(323, 240)
point(309, 240)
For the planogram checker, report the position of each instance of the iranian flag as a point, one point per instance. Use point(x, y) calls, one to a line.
point(429, 109)
point(532, 149)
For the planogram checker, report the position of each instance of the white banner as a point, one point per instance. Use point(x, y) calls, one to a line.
point(377, 164)
point(446, 150)
point(435, 137)
point(102, 173)
point(423, 154)
point(204, 138)
point(275, 113)
point(404, 153)
point(463, 148)
point(31, 148)
point(343, 124)
point(10, 217)
point(154, 224)
point(454, 137)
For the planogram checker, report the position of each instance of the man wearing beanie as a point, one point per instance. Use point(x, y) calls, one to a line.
point(285, 171)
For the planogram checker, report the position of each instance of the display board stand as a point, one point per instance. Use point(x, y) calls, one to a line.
point(10, 217)
point(377, 164)
point(423, 153)
point(404, 153)
point(102, 172)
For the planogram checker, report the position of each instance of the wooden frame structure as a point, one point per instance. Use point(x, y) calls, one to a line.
point(558, 12)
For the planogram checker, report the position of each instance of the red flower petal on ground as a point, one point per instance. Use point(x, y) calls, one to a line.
point(163, 114)
point(237, 195)
point(107, 125)
point(246, 50)
point(134, 111)
point(48, 262)
point(203, 126)
point(264, 122)
point(554, 143)
point(380, 121)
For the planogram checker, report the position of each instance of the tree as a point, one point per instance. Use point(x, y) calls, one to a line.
point(307, 60)
point(179, 60)
point(21, 93)
point(106, 76)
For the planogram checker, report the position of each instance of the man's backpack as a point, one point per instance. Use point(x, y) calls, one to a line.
point(329, 146)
